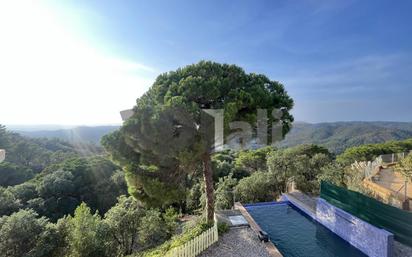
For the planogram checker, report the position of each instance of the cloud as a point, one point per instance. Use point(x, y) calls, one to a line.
point(370, 87)
point(362, 74)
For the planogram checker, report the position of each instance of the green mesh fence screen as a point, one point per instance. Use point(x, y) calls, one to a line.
point(392, 219)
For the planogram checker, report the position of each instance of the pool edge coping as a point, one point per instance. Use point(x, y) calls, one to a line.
point(300, 205)
point(270, 247)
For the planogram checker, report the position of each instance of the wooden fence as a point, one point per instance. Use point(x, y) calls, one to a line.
point(196, 245)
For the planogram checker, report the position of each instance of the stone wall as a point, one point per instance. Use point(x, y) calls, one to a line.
point(369, 239)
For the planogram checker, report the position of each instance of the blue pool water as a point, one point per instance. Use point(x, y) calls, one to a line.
point(297, 235)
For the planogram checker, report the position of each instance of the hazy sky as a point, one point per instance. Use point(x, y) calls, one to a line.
point(82, 61)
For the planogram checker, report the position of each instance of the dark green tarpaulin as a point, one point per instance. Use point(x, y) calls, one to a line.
point(392, 219)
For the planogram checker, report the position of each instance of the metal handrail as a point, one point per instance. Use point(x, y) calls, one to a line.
point(397, 192)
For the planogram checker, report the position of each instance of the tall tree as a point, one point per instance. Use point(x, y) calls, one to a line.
point(170, 130)
point(24, 234)
point(87, 233)
point(405, 168)
point(124, 222)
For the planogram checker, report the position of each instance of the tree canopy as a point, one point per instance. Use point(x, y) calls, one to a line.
point(371, 151)
point(169, 130)
point(405, 167)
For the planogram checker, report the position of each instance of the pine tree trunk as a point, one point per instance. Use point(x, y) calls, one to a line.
point(208, 178)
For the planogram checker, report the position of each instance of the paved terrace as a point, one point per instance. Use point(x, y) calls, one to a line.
point(392, 181)
point(243, 241)
point(238, 242)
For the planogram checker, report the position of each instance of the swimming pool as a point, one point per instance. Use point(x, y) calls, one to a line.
point(297, 235)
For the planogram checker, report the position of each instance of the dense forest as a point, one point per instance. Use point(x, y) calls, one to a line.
point(74, 135)
point(75, 202)
point(155, 182)
point(336, 136)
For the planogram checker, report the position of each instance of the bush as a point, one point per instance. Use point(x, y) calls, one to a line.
point(301, 164)
point(308, 170)
point(170, 218)
point(124, 221)
point(253, 160)
point(176, 241)
point(87, 233)
point(8, 202)
point(24, 192)
point(370, 152)
point(152, 230)
point(24, 234)
point(333, 173)
point(11, 174)
point(193, 198)
point(259, 187)
point(222, 228)
point(224, 193)
point(221, 169)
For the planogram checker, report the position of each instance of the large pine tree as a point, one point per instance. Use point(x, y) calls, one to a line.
point(168, 133)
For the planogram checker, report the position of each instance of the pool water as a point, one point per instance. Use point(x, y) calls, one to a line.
point(297, 235)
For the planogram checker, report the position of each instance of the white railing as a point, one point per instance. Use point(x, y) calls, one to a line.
point(394, 157)
point(369, 169)
point(197, 245)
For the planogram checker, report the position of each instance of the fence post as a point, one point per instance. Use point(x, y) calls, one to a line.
point(197, 245)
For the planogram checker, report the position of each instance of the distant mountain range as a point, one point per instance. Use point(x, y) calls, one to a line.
point(336, 136)
point(73, 135)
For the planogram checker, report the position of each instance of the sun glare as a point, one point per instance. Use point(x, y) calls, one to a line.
point(50, 74)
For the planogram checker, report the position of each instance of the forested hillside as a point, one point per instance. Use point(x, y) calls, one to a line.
point(335, 136)
point(341, 135)
point(74, 202)
point(27, 157)
point(74, 135)
point(53, 177)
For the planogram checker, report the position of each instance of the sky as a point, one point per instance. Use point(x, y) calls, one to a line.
point(81, 62)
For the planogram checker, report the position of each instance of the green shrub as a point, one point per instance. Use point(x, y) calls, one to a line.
point(371, 151)
point(152, 230)
point(11, 174)
point(193, 198)
point(123, 222)
point(333, 173)
point(87, 233)
point(8, 202)
point(253, 160)
point(301, 164)
point(259, 187)
point(176, 241)
point(24, 234)
point(224, 193)
point(222, 228)
point(170, 218)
